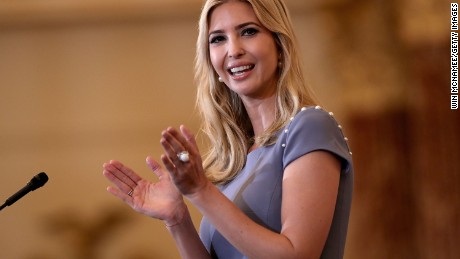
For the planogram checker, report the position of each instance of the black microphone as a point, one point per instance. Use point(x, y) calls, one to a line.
point(36, 182)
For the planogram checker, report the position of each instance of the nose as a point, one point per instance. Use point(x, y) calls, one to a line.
point(235, 48)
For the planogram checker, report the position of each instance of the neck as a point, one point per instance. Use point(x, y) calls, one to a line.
point(261, 113)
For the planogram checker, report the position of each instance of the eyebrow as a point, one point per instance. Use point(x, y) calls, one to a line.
point(238, 27)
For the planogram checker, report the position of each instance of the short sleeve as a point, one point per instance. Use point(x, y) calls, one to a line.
point(314, 129)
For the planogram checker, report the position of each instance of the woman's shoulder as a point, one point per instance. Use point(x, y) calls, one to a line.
point(314, 118)
point(314, 128)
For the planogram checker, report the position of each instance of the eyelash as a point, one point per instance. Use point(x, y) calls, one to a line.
point(250, 31)
point(216, 39)
point(245, 32)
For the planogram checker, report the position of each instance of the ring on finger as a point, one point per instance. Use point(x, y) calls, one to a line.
point(130, 193)
point(183, 156)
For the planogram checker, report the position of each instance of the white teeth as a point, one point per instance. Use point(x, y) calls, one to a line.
point(238, 69)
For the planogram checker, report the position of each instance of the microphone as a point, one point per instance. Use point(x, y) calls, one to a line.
point(36, 182)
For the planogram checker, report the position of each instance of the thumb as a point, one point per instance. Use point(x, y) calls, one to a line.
point(154, 166)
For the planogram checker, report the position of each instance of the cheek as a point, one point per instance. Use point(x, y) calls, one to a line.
point(270, 61)
point(216, 61)
point(268, 54)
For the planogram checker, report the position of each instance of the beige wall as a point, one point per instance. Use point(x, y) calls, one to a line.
point(74, 94)
point(82, 82)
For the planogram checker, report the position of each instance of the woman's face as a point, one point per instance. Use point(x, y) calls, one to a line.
point(242, 51)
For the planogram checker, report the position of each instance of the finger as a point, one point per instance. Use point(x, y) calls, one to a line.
point(127, 172)
point(189, 138)
point(169, 165)
point(119, 194)
point(118, 174)
point(111, 174)
point(155, 167)
point(174, 139)
point(170, 151)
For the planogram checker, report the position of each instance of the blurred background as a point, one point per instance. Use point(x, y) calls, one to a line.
point(83, 82)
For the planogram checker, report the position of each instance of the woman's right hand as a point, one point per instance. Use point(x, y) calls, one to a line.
point(159, 200)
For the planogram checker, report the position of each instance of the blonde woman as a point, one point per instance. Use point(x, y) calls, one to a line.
point(277, 179)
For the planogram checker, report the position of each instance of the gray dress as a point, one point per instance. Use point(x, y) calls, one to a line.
point(258, 187)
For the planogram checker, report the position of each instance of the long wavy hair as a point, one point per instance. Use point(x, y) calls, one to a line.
point(225, 120)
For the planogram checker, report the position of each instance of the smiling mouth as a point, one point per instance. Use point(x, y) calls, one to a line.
point(237, 71)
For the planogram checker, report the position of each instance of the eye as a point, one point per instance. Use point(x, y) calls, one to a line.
point(249, 31)
point(216, 39)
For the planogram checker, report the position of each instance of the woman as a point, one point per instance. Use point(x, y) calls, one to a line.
point(277, 180)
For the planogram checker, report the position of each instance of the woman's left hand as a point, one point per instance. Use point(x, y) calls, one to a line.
point(188, 176)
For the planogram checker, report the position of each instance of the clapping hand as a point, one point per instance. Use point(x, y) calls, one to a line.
point(185, 171)
point(160, 200)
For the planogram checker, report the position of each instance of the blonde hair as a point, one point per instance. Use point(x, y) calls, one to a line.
point(225, 120)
